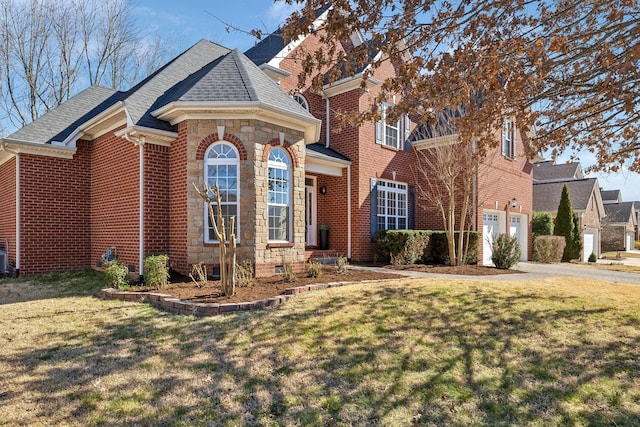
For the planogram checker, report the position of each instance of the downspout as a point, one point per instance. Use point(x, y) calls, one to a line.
point(17, 272)
point(349, 211)
point(140, 144)
point(3, 147)
point(140, 141)
point(328, 121)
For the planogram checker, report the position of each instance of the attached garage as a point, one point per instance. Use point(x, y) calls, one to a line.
point(629, 246)
point(492, 224)
point(519, 227)
point(589, 239)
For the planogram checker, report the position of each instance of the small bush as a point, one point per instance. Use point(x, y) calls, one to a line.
point(542, 224)
point(199, 274)
point(313, 268)
point(506, 251)
point(402, 246)
point(156, 268)
point(287, 273)
point(245, 274)
point(438, 249)
point(116, 274)
point(593, 257)
point(548, 249)
point(636, 244)
point(342, 265)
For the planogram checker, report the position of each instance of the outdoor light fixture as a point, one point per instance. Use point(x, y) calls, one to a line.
point(323, 190)
point(513, 202)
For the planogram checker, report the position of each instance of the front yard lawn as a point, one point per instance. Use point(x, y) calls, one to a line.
point(403, 352)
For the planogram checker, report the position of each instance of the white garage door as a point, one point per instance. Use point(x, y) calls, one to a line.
point(589, 239)
point(629, 241)
point(489, 230)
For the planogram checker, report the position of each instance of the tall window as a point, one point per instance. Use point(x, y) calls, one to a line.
point(388, 133)
point(221, 166)
point(279, 195)
point(508, 139)
point(392, 209)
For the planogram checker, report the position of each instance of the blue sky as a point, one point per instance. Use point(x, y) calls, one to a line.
point(185, 22)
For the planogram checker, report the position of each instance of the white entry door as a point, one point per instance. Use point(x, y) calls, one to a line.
point(629, 241)
point(310, 211)
point(489, 230)
point(519, 228)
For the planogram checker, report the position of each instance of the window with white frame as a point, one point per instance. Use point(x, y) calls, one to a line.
point(387, 132)
point(301, 100)
point(508, 139)
point(392, 205)
point(279, 195)
point(221, 167)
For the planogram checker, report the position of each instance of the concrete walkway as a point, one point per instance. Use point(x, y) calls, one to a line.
point(532, 271)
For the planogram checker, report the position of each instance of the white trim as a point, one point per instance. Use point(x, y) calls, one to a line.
point(176, 112)
point(289, 205)
point(277, 59)
point(14, 146)
point(152, 136)
point(349, 83)
point(312, 230)
point(324, 165)
point(107, 114)
point(438, 141)
point(17, 211)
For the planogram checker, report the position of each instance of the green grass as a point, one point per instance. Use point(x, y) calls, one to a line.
point(422, 352)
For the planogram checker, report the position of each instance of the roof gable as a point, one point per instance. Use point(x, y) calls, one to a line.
point(549, 171)
point(546, 195)
point(620, 212)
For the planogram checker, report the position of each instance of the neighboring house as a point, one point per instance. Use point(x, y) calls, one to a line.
point(548, 170)
point(611, 196)
point(619, 226)
point(586, 202)
point(111, 169)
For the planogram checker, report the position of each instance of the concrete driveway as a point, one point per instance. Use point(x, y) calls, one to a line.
point(535, 271)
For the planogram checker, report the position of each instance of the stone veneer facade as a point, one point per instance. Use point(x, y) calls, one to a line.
point(253, 139)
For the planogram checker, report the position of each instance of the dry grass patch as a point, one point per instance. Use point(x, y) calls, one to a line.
point(422, 352)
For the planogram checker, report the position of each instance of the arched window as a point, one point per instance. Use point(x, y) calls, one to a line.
point(222, 167)
point(301, 100)
point(279, 195)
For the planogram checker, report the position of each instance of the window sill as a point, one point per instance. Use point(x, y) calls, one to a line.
point(216, 244)
point(388, 147)
point(279, 245)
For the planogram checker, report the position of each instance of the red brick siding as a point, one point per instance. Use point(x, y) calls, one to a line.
point(54, 209)
point(115, 198)
point(156, 199)
point(178, 201)
point(8, 205)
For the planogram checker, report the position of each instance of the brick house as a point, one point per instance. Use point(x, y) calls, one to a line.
point(620, 225)
point(586, 199)
point(111, 169)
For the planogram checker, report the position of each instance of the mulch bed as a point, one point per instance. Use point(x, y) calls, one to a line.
point(267, 287)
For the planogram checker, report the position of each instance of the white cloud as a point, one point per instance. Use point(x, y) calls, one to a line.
point(279, 11)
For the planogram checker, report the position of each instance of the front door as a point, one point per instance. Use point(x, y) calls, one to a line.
point(310, 211)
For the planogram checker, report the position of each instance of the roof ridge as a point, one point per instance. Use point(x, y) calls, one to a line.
point(237, 57)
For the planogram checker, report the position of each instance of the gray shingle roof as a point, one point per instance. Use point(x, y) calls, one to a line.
point(265, 50)
point(58, 123)
point(618, 212)
point(322, 149)
point(231, 78)
point(548, 171)
point(610, 195)
point(141, 99)
point(546, 195)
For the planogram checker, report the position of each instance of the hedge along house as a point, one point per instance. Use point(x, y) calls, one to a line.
point(113, 169)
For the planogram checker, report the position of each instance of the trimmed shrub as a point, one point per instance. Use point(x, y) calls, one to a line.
point(593, 257)
point(116, 274)
point(313, 268)
point(342, 265)
point(548, 249)
point(156, 271)
point(244, 274)
point(542, 224)
point(438, 249)
point(402, 246)
point(506, 251)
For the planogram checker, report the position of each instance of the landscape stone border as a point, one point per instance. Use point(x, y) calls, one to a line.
point(174, 305)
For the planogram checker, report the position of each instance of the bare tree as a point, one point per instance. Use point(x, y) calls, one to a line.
point(569, 69)
point(49, 48)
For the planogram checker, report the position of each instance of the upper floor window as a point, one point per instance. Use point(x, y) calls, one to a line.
point(388, 132)
point(301, 100)
point(392, 205)
point(508, 139)
point(221, 166)
point(279, 195)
